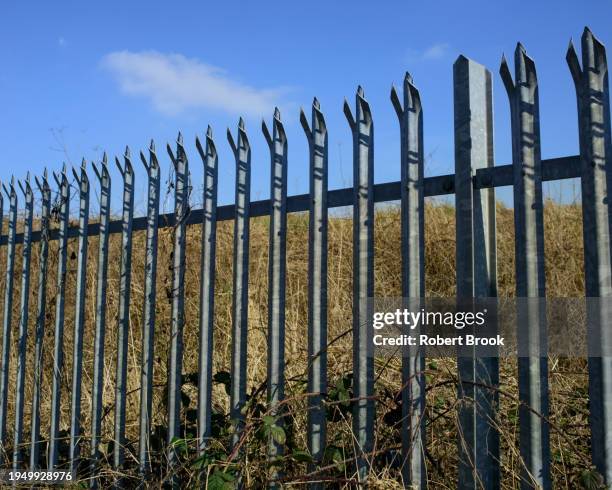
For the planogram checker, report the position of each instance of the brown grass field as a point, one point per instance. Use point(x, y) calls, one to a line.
point(570, 443)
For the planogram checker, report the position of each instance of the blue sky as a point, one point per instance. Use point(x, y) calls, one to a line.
point(83, 77)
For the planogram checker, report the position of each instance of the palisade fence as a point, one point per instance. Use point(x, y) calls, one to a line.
point(473, 185)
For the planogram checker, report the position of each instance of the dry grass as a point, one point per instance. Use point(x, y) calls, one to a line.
point(568, 379)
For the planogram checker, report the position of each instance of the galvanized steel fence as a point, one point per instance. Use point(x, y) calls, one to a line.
point(473, 184)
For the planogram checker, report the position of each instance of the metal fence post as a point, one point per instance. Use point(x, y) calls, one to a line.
point(476, 270)
point(148, 317)
point(18, 464)
point(79, 319)
point(530, 279)
point(593, 98)
point(410, 117)
point(8, 310)
point(62, 212)
point(41, 302)
point(175, 368)
point(240, 299)
point(97, 407)
point(207, 287)
point(277, 277)
point(317, 283)
point(363, 278)
point(123, 325)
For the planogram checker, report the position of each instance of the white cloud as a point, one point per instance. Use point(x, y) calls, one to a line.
point(175, 84)
point(435, 51)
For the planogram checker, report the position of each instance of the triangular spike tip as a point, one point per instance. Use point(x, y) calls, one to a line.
point(241, 123)
point(209, 132)
point(360, 91)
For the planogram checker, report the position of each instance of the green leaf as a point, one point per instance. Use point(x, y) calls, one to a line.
point(220, 480)
point(302, 456)
point(591, 479)
point(268, 420)
point(333, 454)
point(277, 461)
point(200, 463)
point(179, 445)
point(278, 434)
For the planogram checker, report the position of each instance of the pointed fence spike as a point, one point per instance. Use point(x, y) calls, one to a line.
point(95, 169)
point(573, 63)
point(171, 154)
point(266, 132)
point(144, 161)
point(231, 141)
point(58, 339)
point(200, 148)
point(395, 100)
point(349, 114)
point(207, 285)
point(304, 123)
point(74, 443)
point(363, 279)
point(119, 167)
point(592, 94)
point(506, 76)
point(175, 358)
point(76, 176)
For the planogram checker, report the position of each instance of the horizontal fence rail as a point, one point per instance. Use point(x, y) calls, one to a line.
point(478, 379)
point(440, 185)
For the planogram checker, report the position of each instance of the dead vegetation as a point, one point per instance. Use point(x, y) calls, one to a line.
point(568, 377)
